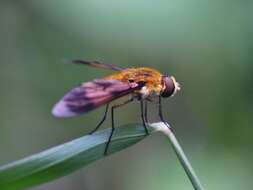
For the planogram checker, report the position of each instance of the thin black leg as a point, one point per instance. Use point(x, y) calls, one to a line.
point(113, 127)
point(146, 111)
point(102, 121)
point(143, 117)
point(160, 109)
point(161, 113)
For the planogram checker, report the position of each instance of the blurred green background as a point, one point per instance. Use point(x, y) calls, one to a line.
point(207, 45)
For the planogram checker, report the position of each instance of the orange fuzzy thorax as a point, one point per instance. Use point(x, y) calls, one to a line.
point(151, 77)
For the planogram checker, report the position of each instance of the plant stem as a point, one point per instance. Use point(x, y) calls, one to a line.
point(180, 154)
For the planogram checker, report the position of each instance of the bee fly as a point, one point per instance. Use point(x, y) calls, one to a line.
point(142, 84)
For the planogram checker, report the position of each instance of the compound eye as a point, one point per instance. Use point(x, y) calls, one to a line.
point(169, 87)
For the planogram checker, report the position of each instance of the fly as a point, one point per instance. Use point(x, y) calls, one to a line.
point(138, 83)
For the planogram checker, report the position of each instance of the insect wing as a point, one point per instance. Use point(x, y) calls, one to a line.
point(97, 64)
point(91, 95)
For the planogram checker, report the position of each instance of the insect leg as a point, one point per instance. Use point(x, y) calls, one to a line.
point(146, 111)
point(160, 113)
point(102, 121)
point(113, 127)
point(143, 117)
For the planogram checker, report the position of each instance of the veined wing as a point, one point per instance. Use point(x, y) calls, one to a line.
point(91, 95)
point(97, 64)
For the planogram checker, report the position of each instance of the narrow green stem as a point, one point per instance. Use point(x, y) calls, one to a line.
point(180, 154)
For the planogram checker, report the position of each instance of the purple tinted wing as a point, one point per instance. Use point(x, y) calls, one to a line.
point(91, 95)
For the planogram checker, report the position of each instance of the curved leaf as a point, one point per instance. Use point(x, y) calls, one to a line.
point(66, 158)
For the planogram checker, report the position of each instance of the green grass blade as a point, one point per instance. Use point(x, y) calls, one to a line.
point(66, 158)
point(180, 154)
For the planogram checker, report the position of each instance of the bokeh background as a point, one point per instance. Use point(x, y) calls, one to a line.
point(207, 45)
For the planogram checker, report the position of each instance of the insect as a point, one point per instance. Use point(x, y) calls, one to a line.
point(142, 84)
